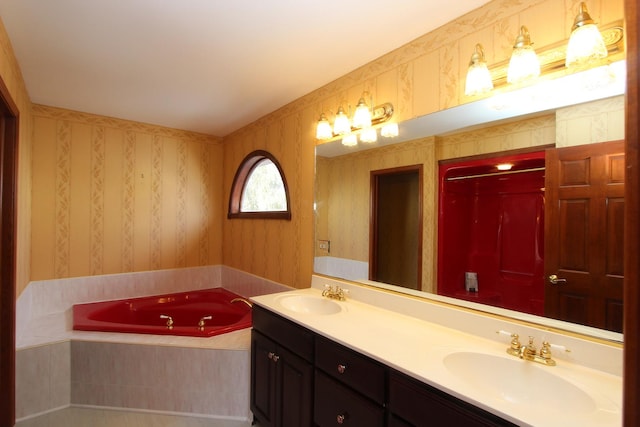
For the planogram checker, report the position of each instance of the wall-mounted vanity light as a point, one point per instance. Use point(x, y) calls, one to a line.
point(586, 48)
point(364, 124)
point(323, 128)
point(585, 43)
point(478, 76)
point(524, 64)
point(362, 115)
point(341, 124)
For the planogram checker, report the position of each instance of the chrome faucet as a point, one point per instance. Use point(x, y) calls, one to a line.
point(335, 292)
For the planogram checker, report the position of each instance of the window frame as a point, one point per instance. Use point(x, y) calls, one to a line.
point(240, 181)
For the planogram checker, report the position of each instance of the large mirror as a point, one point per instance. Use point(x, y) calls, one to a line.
point(516, 123)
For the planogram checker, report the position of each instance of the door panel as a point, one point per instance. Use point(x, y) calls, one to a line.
point(584, 219)
point(396, 226)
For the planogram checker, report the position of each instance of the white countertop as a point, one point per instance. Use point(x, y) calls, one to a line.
point(417, 348)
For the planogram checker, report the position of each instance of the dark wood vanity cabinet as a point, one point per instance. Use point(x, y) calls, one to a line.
point(415, 404)
point(281, 371)
point(349, 387)
point(300, 379)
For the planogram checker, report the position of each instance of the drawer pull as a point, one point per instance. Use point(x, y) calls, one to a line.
point(341, 418)
point(342, 369)
point(274, 357)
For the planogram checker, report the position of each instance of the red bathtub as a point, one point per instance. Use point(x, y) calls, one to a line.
point(202, 313)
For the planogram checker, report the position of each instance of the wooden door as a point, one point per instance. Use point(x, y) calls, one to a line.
point(8, 189)
point(396, 226)
point(584, 234)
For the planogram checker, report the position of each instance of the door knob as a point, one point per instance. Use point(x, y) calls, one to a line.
point(554, 280)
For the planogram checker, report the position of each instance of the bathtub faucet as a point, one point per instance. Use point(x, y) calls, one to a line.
point(169, 320)
point(201, 322)
point(244, 300)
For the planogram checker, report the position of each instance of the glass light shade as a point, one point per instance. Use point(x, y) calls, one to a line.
point(478, 76)
point(478, 80)
point(341, 125)
point(389, 130)
point(369, 135)
point(350, 140)
point(524, 63)
point(323, 128)
point(585, 45)
point(362, 115)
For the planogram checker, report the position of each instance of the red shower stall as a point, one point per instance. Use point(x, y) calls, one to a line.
point(491, 224)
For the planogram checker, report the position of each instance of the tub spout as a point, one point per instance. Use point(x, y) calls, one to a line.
point(244, 300)
point(169, 320)
point(201, 322)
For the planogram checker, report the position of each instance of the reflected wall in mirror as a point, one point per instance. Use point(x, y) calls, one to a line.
point(343, 185)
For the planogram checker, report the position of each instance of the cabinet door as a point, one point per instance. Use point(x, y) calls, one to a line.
point(281, 385)
point(295, 388)
point(263, 379)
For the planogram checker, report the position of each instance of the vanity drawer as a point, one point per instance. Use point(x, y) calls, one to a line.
point(336, 404)
point(413, 403)
point(297, 339)
point(353, 369)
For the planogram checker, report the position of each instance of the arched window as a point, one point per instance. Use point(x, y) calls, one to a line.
point(259, 189)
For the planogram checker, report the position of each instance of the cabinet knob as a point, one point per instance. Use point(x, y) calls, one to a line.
point(341, 418)
point(272, 356)
point(342, 368)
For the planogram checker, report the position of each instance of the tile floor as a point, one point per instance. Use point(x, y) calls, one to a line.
point(90, 417)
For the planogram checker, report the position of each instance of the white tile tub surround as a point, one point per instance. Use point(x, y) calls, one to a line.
point(173, 379)
point(50, 360)
point(42, 379)
point(43, 310)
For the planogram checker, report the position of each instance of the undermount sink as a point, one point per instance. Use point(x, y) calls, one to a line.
point(310, 304)
point(519, 382)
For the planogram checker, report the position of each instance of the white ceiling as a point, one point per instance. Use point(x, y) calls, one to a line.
point(209, 66)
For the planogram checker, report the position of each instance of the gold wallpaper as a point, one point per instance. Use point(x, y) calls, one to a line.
point(113, 196)
point(421, 77)
point(117, 196)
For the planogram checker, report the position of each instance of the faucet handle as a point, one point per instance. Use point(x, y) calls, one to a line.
point(515, 342)
point(545, 350)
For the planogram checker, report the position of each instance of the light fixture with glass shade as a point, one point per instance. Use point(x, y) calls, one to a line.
point(362, 115)
point(524, 64)
point(377, 117)
point(369, 135)
point(341, 125)
point(389, 130)
point(350, 140)
point(323, 128)
point(585, 43)
point(478, 76)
